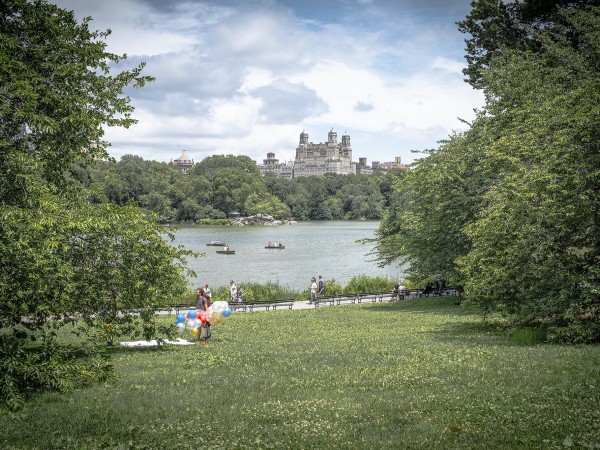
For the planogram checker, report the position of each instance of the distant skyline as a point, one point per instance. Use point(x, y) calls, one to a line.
point(247, 77)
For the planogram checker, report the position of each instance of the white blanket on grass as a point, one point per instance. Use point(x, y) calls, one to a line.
point(155, 342)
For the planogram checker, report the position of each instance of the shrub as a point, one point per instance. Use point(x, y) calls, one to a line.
point(48, 366)
point(363, 284)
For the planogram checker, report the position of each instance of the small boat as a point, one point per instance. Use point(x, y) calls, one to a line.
point(275, 245)
point(226, 251)
point(216, 243)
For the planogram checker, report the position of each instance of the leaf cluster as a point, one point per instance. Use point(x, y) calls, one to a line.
point(49, 366)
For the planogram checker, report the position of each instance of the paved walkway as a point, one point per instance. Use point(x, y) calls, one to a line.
point(305, 304)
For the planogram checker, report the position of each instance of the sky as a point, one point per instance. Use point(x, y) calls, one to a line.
point(246, 77)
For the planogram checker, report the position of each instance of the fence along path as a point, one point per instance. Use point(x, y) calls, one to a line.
point(329, 300)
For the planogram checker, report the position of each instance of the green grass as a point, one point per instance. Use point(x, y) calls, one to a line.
point(422, 373)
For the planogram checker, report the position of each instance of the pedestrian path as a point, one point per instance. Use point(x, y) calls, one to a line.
point(326, 301)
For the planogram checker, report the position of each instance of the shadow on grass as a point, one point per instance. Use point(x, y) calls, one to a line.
point(482, 332)
point(432, 305)
point(465, 324)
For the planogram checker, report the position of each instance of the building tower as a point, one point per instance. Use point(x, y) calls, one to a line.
point(332, 138)
point(346, 150)
point(303, 138)
point(184, 163)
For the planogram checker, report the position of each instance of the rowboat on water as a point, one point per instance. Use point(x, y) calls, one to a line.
point(216, 243)
point(226, 251)
point(275, 245)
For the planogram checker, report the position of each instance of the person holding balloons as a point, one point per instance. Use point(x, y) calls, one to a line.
point(202, 304)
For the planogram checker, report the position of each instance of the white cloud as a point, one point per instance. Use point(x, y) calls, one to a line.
point(247, 78)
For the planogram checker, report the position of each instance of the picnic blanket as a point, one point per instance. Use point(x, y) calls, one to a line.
point(155, 342)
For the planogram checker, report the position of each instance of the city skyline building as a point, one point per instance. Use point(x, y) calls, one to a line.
point(325, 157)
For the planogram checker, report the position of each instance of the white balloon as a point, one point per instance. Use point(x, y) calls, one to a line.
point(220, 306)
point(191, 324)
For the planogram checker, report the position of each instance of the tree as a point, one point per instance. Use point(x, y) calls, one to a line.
point(215, 162)
point(231, 187)
point(495, 26)
point(65, 254)
point(266, 203)
point(508, 209)
point(535, 245)
point(160, 205)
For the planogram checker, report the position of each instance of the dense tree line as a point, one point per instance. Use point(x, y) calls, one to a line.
point(221, 184)
point(510, 209)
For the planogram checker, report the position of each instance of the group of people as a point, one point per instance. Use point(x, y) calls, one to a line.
point(317, 289)
point(398, 291)
point(236, 293)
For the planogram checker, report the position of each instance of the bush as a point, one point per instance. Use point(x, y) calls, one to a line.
point(49, 366)
point(363, 284)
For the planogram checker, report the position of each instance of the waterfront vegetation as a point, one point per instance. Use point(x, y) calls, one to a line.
point(360, 284)
point(422, 373)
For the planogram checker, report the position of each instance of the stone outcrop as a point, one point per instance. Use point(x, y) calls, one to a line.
point(261, 219)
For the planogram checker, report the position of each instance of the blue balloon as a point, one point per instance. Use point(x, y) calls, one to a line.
point(191, 314)
point(180, 318)
point(227, 312)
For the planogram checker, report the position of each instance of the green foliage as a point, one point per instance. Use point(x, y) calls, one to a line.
point(362, 284)
point(212, 164)
point(217, 221)
point(48, 366)
point(65, 253)
point(266, 203)
point(257, 292)
point(332, 287)
point(508, 210)
point(528, 336)
point(222, 184)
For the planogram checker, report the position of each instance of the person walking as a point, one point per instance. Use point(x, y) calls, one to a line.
point(321, 287)
point(232, 292)
point(314, 290)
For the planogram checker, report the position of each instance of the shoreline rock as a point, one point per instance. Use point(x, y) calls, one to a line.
point(261, 219)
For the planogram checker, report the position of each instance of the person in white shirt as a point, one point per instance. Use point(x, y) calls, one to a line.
point(232, 291)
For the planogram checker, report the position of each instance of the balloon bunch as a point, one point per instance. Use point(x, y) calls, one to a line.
point(195, 318)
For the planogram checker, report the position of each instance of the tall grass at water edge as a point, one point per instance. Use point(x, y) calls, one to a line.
point(274, 291)
point(422, 373)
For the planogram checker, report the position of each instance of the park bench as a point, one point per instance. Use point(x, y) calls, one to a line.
point(374, 297)
point(250, 306)
point(288, 303)
point(338, 299)
point(323, 300)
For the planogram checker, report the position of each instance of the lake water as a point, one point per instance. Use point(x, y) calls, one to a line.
point(327, 248)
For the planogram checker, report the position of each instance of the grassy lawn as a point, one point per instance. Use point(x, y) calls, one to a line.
point(421, 373)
